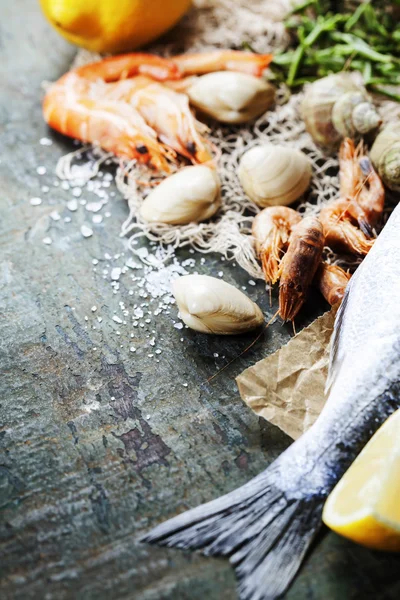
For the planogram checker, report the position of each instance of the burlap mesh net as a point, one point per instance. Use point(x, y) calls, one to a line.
point(223, 24)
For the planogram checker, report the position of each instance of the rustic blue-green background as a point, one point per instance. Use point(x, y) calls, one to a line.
point(77, 491)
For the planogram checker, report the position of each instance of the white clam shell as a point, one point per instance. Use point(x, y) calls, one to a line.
point(231, 97)
point(274, 175)
point(210, 305)
point(192, 194)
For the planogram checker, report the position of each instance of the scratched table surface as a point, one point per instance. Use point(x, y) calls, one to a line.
point(99, 443)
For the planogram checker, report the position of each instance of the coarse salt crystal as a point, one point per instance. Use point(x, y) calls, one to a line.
point(94, 308)
point(117, 319)
point(95, 261)
point(76, 192)
point(72, 205)
point(86, 231)
point(220, 274)
point(97, 219)
point(178, 325)
point(45, 189)
point(115, 273)
point(35, 201)
point(55, 215)
point(45, 141)
point(132, 349)
point(94, 206)
point(41, 170)
point(47, 241)
point(67, 219)
point(99, 319)
point(251, 282)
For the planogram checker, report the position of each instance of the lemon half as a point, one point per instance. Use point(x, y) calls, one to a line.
point(365, 504)
point(109, 26)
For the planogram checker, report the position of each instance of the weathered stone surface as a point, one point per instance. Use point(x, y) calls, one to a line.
point(97, 443)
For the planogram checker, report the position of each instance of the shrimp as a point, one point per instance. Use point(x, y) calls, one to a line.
point(222, 60)
point(340, 232)
point(370, 195)
point(361, 186)
point(271, 231)
point(166, 111)
point(332, 281)
point(77, 105)
point(349, 173)
point(299, 265)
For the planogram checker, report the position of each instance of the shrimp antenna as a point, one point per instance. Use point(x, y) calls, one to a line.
point(246, 349)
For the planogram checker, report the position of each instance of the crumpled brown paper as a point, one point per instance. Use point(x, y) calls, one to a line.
point(287, 387)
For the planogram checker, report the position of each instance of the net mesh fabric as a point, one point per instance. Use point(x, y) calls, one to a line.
point(214, 24)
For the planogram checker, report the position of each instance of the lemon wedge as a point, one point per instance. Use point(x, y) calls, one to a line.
point(365, 504)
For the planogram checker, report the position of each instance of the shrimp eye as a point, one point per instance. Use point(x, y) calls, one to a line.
point(291, 285)
point(142, 149)
point(191, 147)
point(298, 288)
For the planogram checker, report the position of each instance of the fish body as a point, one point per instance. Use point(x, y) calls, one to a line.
point(266, 526)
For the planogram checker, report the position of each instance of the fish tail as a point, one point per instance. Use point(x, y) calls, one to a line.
point(263, 531)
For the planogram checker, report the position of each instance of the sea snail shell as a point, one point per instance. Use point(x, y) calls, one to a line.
point(385, 155)
point(335, 107)
point(191, 195)
point(231, 97)
point(272, 175)
point(210, 305)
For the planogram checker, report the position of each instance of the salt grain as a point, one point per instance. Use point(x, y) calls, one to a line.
point(67, 219)
point(97, 219)
point(251, 282)
point(115, 273)
point(45, 141)
point(35, 201)
point(55, 215)
point(47, 241)
point(132, 349)
point(117, 319)
point(72, 205)
point(94, 308)
point(95, 261)
point(86, 231)
point(41, 170)
point(178, 325)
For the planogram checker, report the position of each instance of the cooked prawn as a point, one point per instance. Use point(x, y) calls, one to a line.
point(349, 172)
point(77, 104)
point(370, 195)
point(361, 186)
point(271, 231)
point(166, 111)
point(222, 60)
point(299, 265)
point(340, 232)
point(332, 281)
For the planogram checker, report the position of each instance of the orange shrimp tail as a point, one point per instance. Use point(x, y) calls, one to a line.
point(223, 60)
point(123, 66)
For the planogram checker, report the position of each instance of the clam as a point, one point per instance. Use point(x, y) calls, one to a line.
point(274, 175)
point(231, 97)
point(335, 107)
point(191, 195)
point(209, 305)
point(385, 155)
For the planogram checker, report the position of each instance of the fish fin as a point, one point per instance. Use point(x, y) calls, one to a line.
point(264, 534)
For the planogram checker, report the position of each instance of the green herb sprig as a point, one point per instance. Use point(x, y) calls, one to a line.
point(325, 41)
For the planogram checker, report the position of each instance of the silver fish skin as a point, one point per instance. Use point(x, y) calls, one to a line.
point(266, 526)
